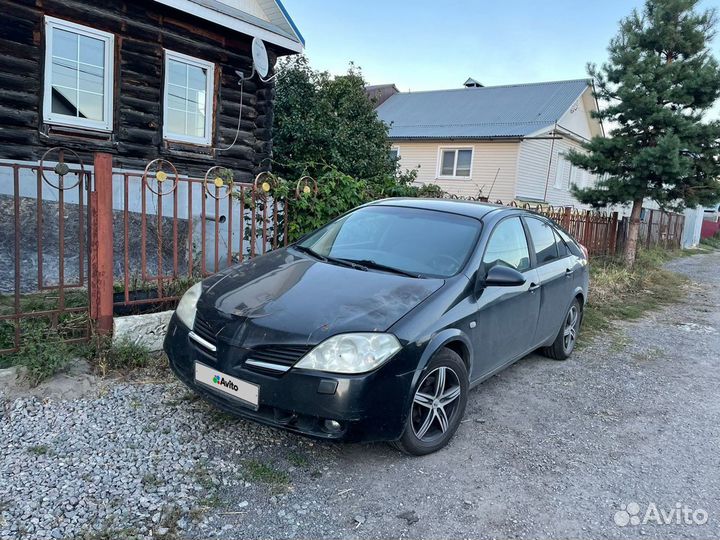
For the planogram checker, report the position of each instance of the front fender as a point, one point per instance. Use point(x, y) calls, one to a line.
point(438, 341)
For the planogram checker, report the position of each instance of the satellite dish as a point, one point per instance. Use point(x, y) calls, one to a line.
point(260, 57)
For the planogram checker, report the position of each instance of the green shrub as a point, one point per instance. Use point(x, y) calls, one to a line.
point(712, 241)
point(42, 351)
point(122, 355)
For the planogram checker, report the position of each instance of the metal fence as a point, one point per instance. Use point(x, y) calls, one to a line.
point(82, 243)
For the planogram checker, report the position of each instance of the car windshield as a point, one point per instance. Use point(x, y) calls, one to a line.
point(404, 240)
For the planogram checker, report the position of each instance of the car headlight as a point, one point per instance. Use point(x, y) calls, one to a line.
point(351, 353)
point(188, 305)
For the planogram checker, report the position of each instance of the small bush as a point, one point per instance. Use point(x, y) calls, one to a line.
point(42, 351)
point(122, 355)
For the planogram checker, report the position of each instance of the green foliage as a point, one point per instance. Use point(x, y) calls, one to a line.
point(266, 474)
point(658, 84)
point(42, 351)
point(322, 120)
point(712, 241)
point(106, 355)
point(337, 193)
point(125, 354)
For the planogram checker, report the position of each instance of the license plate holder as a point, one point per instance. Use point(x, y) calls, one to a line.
point(244, 392)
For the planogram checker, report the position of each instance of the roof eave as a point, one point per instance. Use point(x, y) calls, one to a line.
point(268, 34)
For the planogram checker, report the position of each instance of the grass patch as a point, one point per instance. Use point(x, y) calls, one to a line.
point(619, 292)
point(711, 242)
point(298, 459)
point(266, 474)
point(43, 352)
point(40, 450)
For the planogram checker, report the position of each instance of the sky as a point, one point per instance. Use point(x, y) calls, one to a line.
point(430, 45)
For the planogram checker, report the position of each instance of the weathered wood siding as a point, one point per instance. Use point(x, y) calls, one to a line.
point(142, 30)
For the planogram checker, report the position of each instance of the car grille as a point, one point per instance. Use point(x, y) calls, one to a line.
point(275, 359)
point(203, 329)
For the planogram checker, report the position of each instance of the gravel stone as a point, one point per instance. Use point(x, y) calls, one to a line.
point(548, 450)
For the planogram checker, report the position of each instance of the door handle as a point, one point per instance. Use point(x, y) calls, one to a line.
point(533, 287)
point(569, 272)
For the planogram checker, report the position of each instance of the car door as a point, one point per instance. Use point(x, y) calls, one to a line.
point(555, 268)
point(506, 316)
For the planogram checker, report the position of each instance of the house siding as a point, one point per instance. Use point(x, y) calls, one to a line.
point(536, 171)
point(488, 157)
point(142, 31)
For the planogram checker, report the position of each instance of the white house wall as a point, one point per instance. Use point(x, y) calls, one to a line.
point(536, 170)
point(488, 157)
point(577, 119)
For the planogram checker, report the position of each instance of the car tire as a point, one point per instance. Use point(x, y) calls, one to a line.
point(433, 420)
point(564, 344)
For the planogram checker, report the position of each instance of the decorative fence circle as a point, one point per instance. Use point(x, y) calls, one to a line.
point(61, 168)
point(303, 186)
point(160, 176)
point(269, 181)
point(218, 182)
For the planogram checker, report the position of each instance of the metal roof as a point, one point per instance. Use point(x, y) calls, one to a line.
point(479, 113)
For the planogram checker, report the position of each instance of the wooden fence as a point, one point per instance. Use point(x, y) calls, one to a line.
point(605, 233)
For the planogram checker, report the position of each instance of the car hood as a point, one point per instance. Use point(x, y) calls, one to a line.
point(290, 298)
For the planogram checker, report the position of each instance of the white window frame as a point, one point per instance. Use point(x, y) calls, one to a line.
point(397, 150)
point(209, 98)
point(49, 117)
point(443, 149)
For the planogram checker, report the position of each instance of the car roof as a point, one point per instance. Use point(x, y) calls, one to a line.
point(472, 209)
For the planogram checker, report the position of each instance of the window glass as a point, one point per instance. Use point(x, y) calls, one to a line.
point(544, 240)
point(455, 162)
point(508, 246)
point(448, 163)
point(77, 75)
point(464, 157)
point(408, 239)
point(186, 100)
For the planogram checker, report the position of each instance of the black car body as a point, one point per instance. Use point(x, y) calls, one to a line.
point(256, 320)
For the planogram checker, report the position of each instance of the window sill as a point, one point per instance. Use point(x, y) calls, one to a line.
point(453, 177)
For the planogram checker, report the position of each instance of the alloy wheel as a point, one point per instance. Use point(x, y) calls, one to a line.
point(435, 404)
point(570, 329)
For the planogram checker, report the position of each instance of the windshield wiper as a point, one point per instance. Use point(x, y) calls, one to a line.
point(325, 258)
point(367, 263)
point(310, 252)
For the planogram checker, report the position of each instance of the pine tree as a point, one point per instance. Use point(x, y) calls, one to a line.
point(655, 91)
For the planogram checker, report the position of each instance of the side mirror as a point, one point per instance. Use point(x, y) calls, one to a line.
point(503, 276)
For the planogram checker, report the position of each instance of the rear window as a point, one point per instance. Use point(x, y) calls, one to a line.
point(544, 240)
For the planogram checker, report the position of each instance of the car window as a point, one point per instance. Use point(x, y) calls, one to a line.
point(544, 240)
point(562, 247)
point(507, 246)
point(413, 240)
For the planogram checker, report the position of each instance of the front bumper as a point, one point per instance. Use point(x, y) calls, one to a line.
point(369, 407)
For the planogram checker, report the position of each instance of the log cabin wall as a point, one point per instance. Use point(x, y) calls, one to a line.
point(142, 30)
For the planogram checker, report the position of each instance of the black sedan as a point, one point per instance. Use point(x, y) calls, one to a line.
point(375, 326)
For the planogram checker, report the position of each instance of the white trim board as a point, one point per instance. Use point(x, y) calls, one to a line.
point(233, 23)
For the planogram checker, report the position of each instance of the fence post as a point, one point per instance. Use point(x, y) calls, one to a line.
point(101, 248)
point(648, 240)
point(613, 234)
point(566, 218)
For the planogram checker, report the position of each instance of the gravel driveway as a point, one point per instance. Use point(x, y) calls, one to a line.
point(584, 449)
